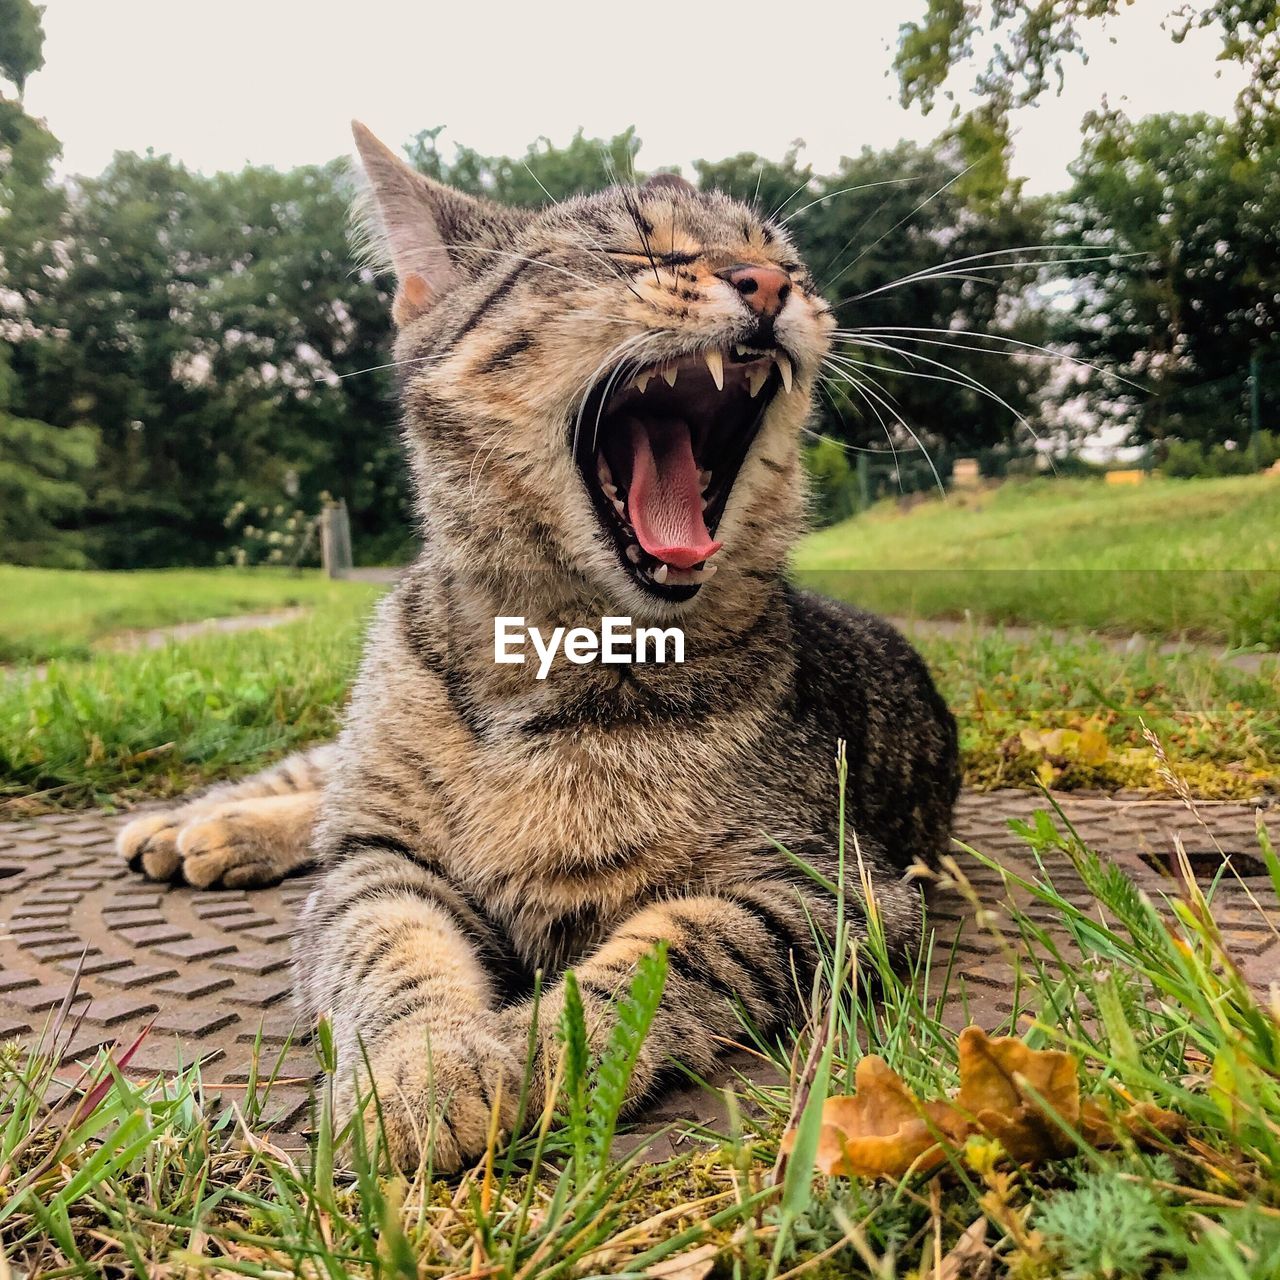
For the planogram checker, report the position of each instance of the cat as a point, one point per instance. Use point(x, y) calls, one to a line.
point(603, 403)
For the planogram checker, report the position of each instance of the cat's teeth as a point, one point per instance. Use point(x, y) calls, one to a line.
point(602, 470)
point(756, 378)
point(688, 577)
point(611, 490)
point(669, 374)
point(633, 553)
point(619, 506)
point(704, 479)
point(715, 363)
point(741, 350)
point(784, 367)
point(661, 573)
point(641, 380)
point(708, 571)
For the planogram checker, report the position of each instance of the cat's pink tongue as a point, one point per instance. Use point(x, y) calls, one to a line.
point(664, 501)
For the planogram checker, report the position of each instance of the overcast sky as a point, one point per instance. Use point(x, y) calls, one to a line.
point(276, 81)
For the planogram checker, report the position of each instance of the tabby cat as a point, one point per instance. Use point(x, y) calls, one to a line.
point(602, 403)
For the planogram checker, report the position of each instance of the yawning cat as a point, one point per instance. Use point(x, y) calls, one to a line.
point(603, 403)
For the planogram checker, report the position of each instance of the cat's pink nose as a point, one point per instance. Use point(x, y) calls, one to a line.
point(763, 289)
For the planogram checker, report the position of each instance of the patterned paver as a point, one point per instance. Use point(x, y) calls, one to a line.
point(210, 970)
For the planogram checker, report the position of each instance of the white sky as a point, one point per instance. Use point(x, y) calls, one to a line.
point(276, 81)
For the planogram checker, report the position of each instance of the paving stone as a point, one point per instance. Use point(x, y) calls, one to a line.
point(137, 975)
point(155, 935)
point(15, 979)
point(195, 949)
point(63, 950)
point(194, 985)
point(46, 996)
point(256, 962)
point(108, 1011)
point(195, 1022)
point(94, 965)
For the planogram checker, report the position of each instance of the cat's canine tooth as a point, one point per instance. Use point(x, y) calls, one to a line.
point(661, 573)
point(741, 350)
point(784, 367)
point(756, 378)
point(611, 490)
point(619, 506)
point(602, 470)
point(641, 380)
point(715, 363)
point(709, 571)
point(704, 479)
point(633, 553)
point(669, 374)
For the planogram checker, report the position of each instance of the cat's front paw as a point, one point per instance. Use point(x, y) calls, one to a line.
point(238, 844)
point(436, 1095)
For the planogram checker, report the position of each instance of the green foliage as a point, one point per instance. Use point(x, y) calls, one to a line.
point(21, 41)
point(633, 1015)
point(1189, 459)
point(1105, 1228)
point(1034, 42)
point(43, 472)
point(1185, 297)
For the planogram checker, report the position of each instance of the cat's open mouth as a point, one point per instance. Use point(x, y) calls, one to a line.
point(660, 454)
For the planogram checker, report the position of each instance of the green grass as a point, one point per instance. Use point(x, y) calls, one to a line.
point(159, 721)
point(114, 1172)
point(60, 613)
point(121, 726)
point(1172, 557)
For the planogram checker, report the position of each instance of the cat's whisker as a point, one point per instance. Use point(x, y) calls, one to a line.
point(855, 385)
point(959, 378)
point(862, 186)
point(928, 457)
point(884, 235)
point(945, 271)
point(789, 199)
point(1032, 350)
point(374, 368)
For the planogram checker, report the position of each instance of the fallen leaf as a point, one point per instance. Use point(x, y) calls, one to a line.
point(1147, 1124)
point(1026, 1100)
point(882, 1130)
point(1017, 1094)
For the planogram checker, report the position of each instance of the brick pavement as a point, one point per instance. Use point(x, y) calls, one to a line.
point(210, 969)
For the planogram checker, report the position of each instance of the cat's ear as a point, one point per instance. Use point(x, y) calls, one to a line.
point(423, 228)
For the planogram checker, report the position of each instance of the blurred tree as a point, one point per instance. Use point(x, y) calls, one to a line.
point(43, 470)
point(1027, 43)
point(1190, 207)
point(880, 235)
point(21, 41)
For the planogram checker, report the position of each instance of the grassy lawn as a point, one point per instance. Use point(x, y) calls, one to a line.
point(1128, 1128)
point(121, 726)
point(57, 613)
point(158, 721)
point(1173, 557)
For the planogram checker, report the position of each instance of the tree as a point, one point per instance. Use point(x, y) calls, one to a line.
point(1033, 40)
point(1187, 209)
point(21, 41)
point(43, 470)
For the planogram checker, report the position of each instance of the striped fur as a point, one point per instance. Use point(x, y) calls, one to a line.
point(477, 825)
